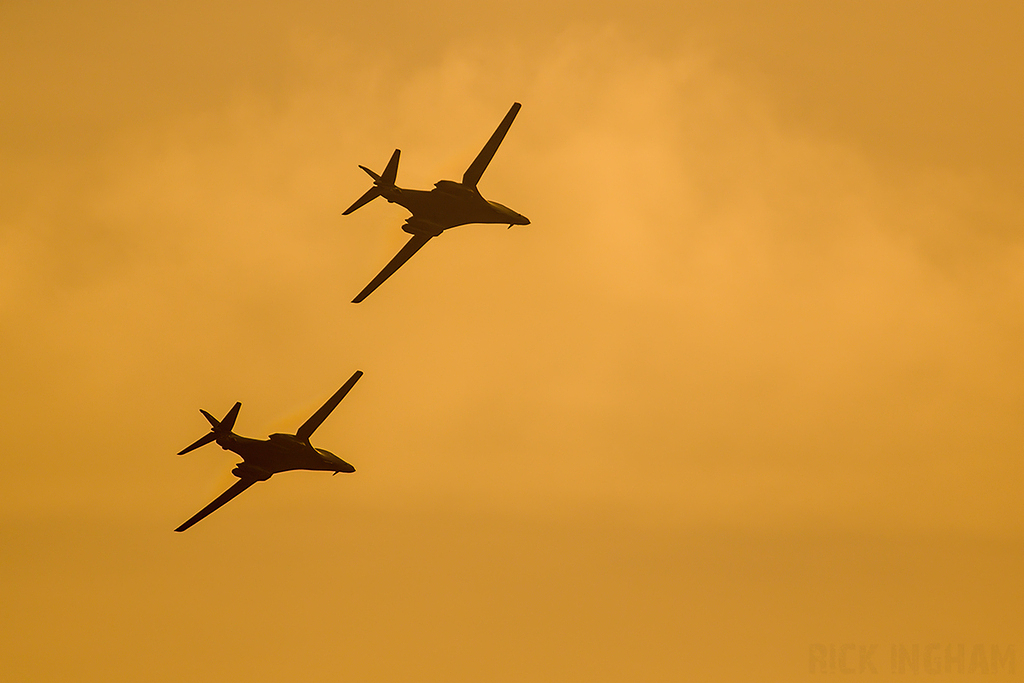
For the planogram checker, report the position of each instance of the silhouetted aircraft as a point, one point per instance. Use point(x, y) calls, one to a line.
point(433, 211)
point(279, 453)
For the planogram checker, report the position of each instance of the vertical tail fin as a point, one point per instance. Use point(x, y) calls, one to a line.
point(390, 173)
point(228, 423)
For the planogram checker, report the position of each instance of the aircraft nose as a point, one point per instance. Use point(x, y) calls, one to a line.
point(524, 219)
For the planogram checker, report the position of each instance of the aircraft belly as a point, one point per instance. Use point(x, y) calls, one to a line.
point(272, 457)
point(313, 467)
point(447, 211)
point(416, 201)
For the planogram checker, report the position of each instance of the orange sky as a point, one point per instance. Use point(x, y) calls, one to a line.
point(750, 381)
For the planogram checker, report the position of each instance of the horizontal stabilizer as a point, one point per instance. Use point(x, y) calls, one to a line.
point(210, 437)
point(372, 174)
point(211, 419)
point(367, 197)
point(410, 248)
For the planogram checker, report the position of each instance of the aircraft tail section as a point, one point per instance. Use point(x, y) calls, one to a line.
point(390, 173)
point(382, 182)
point(228, 423)
point(217, 428)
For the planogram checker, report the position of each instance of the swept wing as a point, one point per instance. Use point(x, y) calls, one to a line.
point(479, 165)
point(410, 248)
point(236, 488)
point(310, 425)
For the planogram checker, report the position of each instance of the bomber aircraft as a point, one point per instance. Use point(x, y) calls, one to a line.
point(448, 205)
point(279, 453)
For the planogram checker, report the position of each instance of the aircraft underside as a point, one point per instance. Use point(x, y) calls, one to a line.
point(434, 212)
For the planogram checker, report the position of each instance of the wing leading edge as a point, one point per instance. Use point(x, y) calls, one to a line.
point(236, 488)
point(410, 248)
point(479, 165)
point(317, 418)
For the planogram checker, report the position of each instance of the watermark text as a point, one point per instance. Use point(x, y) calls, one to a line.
point(912, 658)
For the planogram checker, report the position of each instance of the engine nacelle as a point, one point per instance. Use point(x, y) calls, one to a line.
point(422, 227)
point(243, 471)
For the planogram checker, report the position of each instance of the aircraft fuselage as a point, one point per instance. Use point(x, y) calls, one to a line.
point(448, 205)
point(279, 453)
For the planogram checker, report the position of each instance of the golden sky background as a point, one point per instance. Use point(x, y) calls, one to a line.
point(751, 380)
